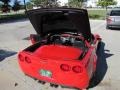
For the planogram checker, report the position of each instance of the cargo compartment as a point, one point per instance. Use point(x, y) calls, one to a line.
point(55, 51)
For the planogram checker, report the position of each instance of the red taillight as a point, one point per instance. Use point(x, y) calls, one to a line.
point(21, 58)
point(109, 20)
point(65, 67)
point(77, 69)
point(27, 60)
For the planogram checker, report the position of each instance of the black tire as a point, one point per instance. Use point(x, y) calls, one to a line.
point(99, 45)
point(93, 81)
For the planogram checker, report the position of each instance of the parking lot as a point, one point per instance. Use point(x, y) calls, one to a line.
point(14, 37)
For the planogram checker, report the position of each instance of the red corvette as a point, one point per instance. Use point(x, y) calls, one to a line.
point(63, 51)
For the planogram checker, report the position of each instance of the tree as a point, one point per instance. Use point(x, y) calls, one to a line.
point(1, 4)
point(38, 2)
point(29, 5)
point(45, 3)
point(6, 2)
point(16, 5)
point(53, 3)
point(5, 7)
point(76, 3)
point(106, 3)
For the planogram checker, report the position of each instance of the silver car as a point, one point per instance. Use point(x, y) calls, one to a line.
point(113, 19)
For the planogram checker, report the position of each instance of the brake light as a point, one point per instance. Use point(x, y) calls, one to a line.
point(110, 19)
point(77, 69)
point(65, 67)
point(21, 58)
point(27, 60)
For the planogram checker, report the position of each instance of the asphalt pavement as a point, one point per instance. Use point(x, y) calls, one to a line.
point(14, 38)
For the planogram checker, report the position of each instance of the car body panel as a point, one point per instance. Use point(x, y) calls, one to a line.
point(49, 51)
point(58, 76)
point(113, 18)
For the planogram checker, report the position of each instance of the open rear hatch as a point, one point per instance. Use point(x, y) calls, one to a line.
point(56, 20)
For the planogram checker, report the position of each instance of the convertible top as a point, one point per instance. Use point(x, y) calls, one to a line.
point(56, 20)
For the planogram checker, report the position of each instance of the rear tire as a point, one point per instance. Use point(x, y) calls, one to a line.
point(92, 81)
point(99, 45)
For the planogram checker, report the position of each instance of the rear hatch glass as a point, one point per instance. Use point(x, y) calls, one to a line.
point(115, 13)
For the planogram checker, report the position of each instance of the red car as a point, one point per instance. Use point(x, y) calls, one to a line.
point(64, 49)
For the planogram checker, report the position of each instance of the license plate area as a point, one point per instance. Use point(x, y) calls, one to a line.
point(45, 73)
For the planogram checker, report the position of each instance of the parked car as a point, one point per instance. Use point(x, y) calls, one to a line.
point(64, 49)
point(113, 19)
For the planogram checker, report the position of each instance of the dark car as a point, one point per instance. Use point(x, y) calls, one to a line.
point(64, 49)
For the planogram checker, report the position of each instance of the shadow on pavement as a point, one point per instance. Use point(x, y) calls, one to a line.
point(26, 38)
point(4, 54)
point(13, 20)
point(102, 67)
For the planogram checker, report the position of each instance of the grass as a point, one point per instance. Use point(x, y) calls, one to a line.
point(93, 14)
point(97, 14)
point(11, 16)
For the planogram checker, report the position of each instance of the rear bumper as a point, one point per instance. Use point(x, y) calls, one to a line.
point(64, 80)
point(59, 77)
point(113, 26)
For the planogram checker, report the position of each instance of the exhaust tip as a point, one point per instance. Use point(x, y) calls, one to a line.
point(53, 85)
point(34, 79)
point(42, 82)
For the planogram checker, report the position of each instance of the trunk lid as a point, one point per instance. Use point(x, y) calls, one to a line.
point(55, 20)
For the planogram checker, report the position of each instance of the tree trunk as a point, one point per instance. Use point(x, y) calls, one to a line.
point(25, 6)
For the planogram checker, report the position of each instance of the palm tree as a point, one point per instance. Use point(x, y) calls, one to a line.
point(16, 6)
point(5, 6)
point(5, 2)
point(25, 5)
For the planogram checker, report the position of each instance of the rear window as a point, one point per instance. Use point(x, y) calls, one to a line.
point(115, 13)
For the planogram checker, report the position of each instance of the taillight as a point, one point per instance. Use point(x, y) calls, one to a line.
point(110, 19)
point(77, 69)
point(27, 59)
point(65, 67)
point(21, 58)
